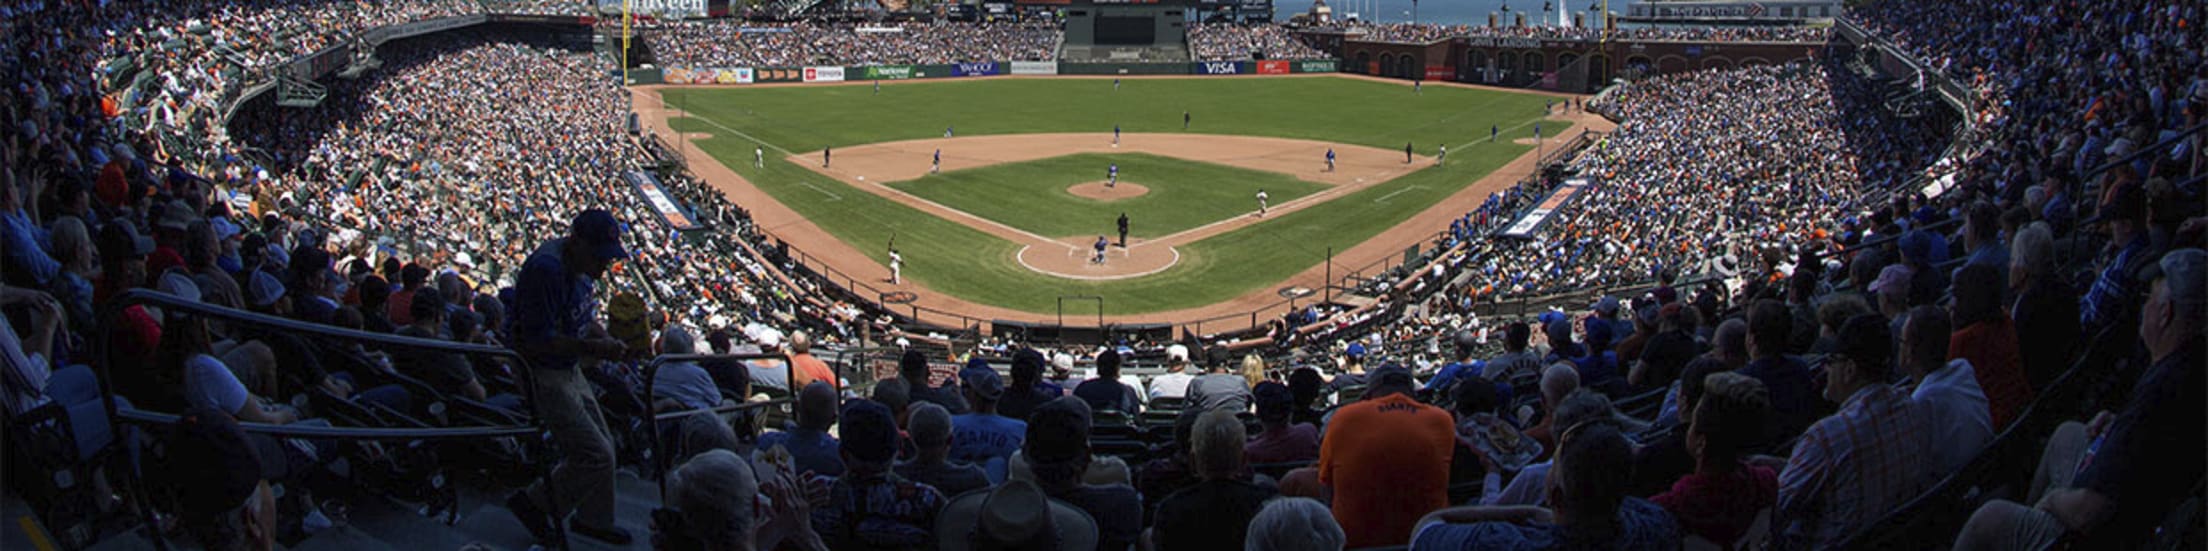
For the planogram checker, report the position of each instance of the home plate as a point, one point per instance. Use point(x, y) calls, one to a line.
point(862, 178)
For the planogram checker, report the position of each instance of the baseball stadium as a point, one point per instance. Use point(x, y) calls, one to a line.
point(1103, 274)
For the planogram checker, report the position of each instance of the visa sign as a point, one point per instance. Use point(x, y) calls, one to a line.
point(1218, 68)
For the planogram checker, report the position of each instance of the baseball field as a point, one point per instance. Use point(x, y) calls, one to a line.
point(1007, 218)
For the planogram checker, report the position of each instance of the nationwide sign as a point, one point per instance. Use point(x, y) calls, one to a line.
point(889, 72)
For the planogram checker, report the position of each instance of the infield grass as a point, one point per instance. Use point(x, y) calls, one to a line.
point(1034, 196)
point(960, 261)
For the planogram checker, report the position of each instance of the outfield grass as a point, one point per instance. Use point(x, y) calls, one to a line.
point(1033, 195)
point(953, 259)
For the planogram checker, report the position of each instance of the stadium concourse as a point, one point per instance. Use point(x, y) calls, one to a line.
point(434, 294)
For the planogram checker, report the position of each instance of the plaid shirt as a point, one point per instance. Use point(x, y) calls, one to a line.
point(1851, 469)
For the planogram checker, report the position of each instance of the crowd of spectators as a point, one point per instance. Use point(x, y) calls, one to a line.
point(1422, 33)
point(735, 43)
point(1864, 350)
point(1221, 41)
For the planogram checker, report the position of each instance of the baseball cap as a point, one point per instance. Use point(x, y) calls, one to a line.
point(181, 284)
point(225, 466)
point(118, 239)
point(1176, 353)
point(598, 228)
point(1057, 431)
point(1356, 350)
point(264, 289)
point(983, 381)
point(1027, 364)
point(175, 215)
point(1391, 375)
point(869, 431)
point(1893, 277)
point(2183, 269)
point(1608, 306)
point(1916, 246)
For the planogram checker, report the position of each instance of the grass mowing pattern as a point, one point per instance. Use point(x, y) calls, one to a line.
point(1032, 195)
point(959, 261)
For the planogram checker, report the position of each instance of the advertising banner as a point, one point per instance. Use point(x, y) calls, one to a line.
point(1440, 72)
point(1034, 67)
point(779, 74)
point(977, 69)
point(1218, 67)
point(692, 75)
point(1533, 218)
point(823, 74)
point(648, 186)
point(655, 8)
point(1274, 67)
point(889, 72)
point(1317, 66)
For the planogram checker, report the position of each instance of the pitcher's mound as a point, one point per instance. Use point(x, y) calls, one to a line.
point(1096, 191)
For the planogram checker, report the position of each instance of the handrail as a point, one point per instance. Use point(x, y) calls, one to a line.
point(1883, 240)
point(2156, 147)
point(172, 303)
point(651, 377)
point(104, 361)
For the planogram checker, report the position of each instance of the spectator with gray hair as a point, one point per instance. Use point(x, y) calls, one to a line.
point(1214, 513)
point(1294, 524)
point(2117, 498)
point(2045, 309)
point(930, 427)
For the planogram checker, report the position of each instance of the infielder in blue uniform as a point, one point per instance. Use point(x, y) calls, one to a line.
point(1329, 159)
point(1111, 176)
point(1115, 135)
point(938, 166)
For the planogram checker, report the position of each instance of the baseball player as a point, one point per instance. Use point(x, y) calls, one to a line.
point(937, 166)
point(1111, 176)
point(758, 157)
point(877, 87)
point(1444, 154)
point(1101, 243)
point(1115, 85)
point(1406, 152)
point(1329, 159)
point(1415, 89)
point(1123, 230)
point(1261, 198)
point(947, 131)
point(896, 267)
point(1115, 135)
point(1493, 131)
point(1184, 120)
point(825, 152)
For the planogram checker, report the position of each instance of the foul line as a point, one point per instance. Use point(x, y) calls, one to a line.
point(1392, 194)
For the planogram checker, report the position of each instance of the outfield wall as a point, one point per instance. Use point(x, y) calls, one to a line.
point(755, 75)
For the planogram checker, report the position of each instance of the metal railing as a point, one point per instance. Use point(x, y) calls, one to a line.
point(104, 352)
point(651, 380)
